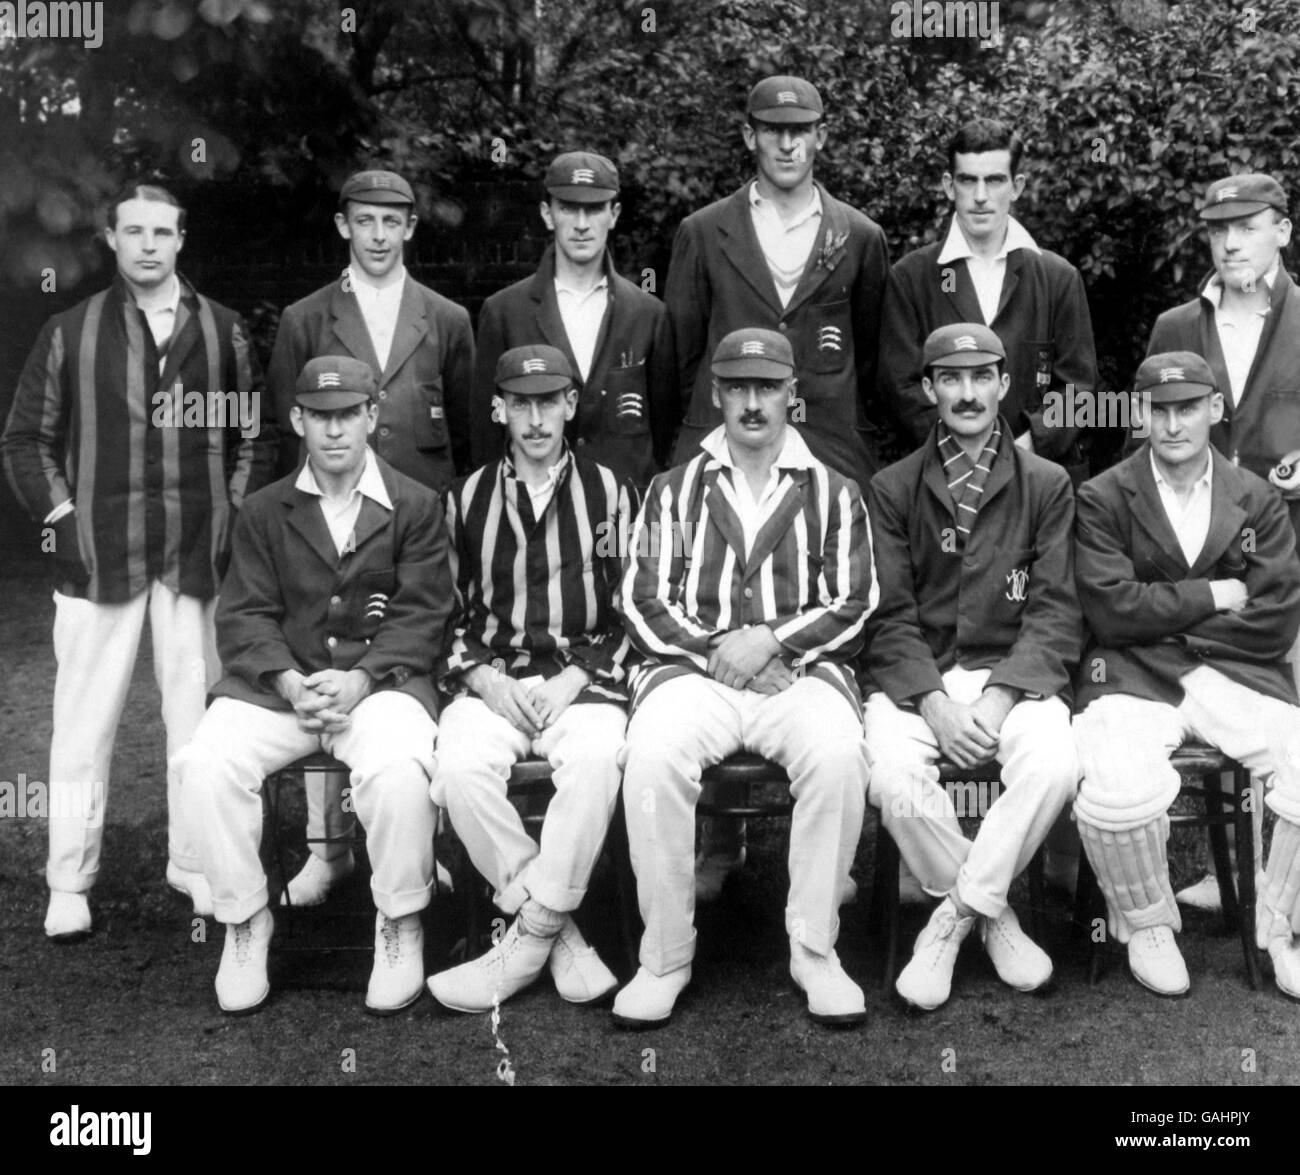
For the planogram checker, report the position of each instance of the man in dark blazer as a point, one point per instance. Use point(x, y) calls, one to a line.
point(989, 269)
point(615, 336)
point(969, 656)
point(1188, 575)
point(1245, 323)
point(329, 623)
point(783, 254)
point(418, 343)
point(421, 350)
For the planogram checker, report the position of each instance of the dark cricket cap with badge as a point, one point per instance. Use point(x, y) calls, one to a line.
point(334, 381)
point(534, 370)
point(753, 353)
point(962, 344)
point(1242, 195)
point(582, 177)
point(376, 187)
point(1173, 376)
point(784, 99)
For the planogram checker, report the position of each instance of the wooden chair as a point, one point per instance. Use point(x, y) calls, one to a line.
point(885, 907)
point(1202, 768)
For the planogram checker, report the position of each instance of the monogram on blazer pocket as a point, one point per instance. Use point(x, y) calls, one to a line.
point(375, 590)
point(626, 409)
point(1013, 578)
point(829, 336)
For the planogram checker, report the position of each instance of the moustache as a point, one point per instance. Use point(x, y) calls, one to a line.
point(753, 418)
point(970, 407)
point(537, 436)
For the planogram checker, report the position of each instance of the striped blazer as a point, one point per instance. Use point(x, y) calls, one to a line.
point(534, 595)
point(154, 461)
point(809, 576)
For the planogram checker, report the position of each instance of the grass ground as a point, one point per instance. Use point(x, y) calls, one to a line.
point(134, 1004)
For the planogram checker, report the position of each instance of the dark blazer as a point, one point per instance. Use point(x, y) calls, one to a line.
point(1152, 617)
point(424, 390)
point(290, 601)
point(1004, 602)
point(1042, 320)
point(718, 281)
point(1265, 424)
point(627, 405)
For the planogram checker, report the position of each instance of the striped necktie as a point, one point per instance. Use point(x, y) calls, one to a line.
point(966, 478)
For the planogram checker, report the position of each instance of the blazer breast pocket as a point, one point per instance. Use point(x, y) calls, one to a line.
point(829, 337)
point(428, 416)
point(1011, 580)
point(1036, 359)
point(375, 590)
point(626, 410)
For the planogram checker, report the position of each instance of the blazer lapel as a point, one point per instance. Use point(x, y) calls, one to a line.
point(185, 336)
point(412, 325)
point(783, 514)
point(933, 476)
point(723, 515)
point(372, 518)
point(305, 517)
point(1277, 305)
point(1149, 511)
point(549, 321)
point(1226, 520)
point(739, 244)
point(962, 295)
point(834, 227)
point(350, 328)
point(1010, 280)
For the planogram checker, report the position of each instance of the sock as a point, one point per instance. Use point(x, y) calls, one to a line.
point(538, 920)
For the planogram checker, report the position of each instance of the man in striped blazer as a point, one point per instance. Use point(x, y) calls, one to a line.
point(536, 667)
point(137, 430)
point(749, 581)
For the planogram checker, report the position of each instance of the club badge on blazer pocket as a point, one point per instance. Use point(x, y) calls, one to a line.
point(624, 398)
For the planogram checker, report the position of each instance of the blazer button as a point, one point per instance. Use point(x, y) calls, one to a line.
point(582, 440)
point(330, 642)
point(383, 395)
point(335, 601)
point(749, 593)
point(781, 326)
point(383, 432)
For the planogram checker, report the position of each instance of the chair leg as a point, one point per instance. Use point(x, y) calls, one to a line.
point(885, 891)
point(625, 882)
point(1244, 829)
point(1088, 904)
point(1037, 896)
point(1214, 811)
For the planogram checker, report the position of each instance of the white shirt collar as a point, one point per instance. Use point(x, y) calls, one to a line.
point(1205, 479)
point(767, 208)
point(603, 284)
point(371, 483)
point(795, 453)
point(957, 248)
point(1213, 292)
point(361, 281)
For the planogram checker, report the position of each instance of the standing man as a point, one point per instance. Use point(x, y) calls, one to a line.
point(749, 582)
point(1189, 579)
point(421, 350)
point(417, 342)
point(1245, 323)
point(537, 667)
point(989, 270)
point(136, 432)
point(783, 254)
point(330, 621)
point(972, 649)
point(614, 336)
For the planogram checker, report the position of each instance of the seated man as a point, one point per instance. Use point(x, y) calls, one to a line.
point(1187, 571)
point(971, 650)
point(749, 582)
point(329, 623)
point(536, 665)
